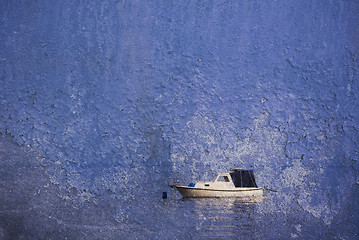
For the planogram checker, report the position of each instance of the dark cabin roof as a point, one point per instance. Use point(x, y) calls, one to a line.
point(243, 178)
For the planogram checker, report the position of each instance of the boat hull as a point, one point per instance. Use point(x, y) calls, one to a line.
point(192, 192)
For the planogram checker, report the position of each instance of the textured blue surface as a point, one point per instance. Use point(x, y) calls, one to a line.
point(111, 101)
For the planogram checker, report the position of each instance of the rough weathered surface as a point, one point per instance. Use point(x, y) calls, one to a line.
point(109, 101)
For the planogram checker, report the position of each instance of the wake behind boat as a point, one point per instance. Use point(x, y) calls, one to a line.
point(236, 183)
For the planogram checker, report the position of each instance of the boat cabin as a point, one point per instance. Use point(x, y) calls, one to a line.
point(243, 178)
point(235, 178)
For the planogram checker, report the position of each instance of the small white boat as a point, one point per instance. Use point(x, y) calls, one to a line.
point(236, 183)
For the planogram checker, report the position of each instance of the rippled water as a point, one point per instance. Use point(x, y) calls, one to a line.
point(222, 218)
point(235, 218)
point(201, 218)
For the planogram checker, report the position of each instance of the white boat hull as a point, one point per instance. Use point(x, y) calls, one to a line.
point(193, 192)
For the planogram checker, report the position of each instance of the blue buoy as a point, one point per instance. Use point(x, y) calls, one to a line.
point(164, 195)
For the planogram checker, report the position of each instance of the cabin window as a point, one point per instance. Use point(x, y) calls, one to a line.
point(223, 179)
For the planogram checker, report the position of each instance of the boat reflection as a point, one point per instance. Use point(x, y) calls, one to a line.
point(219, 218)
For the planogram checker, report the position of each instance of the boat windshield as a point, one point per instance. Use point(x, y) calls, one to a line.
point(223, 179)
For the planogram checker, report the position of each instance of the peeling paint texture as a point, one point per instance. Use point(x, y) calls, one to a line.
point(105, 103)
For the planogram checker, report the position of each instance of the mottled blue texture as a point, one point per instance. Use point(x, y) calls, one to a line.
point(118, 99)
